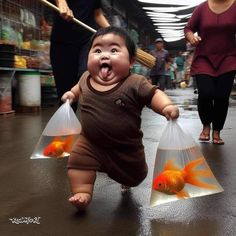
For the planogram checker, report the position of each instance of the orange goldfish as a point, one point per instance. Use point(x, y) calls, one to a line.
point(58, 147)
point(172, 180)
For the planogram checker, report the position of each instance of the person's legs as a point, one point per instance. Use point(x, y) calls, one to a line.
point(64, 60)
point(178, 77)
point(168, 82)
point(162, 82)
point(154, 79)
point(223, 86)
point(81, 183)
point(205, 85)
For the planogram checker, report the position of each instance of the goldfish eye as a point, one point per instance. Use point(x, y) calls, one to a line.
point(160, 184)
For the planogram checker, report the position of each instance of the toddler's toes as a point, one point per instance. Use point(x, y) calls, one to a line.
point(80, 200)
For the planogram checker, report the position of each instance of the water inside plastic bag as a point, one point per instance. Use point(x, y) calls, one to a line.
point(180, 169)
point(180, 158)
point(45, 141)
point(59, 134)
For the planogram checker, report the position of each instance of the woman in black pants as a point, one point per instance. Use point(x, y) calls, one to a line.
point(214, 62)
point(213, 102)
point(69, 41)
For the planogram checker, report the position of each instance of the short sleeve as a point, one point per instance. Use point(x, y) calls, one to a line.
point(146, 91)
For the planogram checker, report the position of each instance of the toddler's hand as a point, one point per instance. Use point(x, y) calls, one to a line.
point(68, 95)
point(171, 112)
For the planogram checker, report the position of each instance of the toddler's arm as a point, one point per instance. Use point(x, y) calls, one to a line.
point(72, 95)
point(162, 104)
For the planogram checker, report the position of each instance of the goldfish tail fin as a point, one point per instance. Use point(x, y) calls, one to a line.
point(170, 165)
point(193, 164)
point(69, 143)
point(201, 184)
point(192, 176)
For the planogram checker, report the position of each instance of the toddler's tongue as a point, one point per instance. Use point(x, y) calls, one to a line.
point(104, 71)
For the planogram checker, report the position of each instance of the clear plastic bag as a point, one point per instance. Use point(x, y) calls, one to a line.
point(59, 134)
point(180, 170)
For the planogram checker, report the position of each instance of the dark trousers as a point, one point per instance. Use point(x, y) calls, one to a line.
point(68, 63)
point(159, 80)
point(213, 98)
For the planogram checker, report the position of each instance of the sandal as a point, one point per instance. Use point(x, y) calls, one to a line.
point(216, 139)
point(204, 137)
point(205, 134)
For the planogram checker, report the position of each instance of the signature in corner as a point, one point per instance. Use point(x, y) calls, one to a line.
point(25, 220)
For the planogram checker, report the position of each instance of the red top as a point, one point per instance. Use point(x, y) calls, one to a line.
point(216, 53)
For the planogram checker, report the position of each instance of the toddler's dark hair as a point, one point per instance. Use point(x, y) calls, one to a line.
point(131, 47)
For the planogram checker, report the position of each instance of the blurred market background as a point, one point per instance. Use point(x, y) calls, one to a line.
point(25, 28)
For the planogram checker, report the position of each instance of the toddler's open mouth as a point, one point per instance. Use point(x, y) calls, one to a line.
point(105, 69)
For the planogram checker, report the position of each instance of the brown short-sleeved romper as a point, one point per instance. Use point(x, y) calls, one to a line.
point(111, 139)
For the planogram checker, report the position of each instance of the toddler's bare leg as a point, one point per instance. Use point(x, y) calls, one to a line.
point(81, 183)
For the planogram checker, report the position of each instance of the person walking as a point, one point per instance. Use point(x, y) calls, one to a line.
point(214, 62)
point(69, 41)
point(158, 72)
point(180, 62)
point(108, 92)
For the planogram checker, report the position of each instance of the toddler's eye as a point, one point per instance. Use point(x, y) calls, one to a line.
point(98, 51)
point(114, 50)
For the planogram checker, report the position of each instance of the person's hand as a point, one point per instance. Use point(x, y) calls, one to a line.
point(171, 112)
point(65, 12)
point(193, 39)
point(68, 95)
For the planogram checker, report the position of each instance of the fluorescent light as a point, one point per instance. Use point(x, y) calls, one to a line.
point(169, 24)
point(173, 2)
point(171, 27)
point(172, 39)
point(159, 19)
point(160, 14)
point(184, 16)
point(171, 32)
point(169, 9)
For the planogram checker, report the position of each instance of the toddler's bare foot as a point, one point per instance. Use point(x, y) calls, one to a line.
point(80, 200)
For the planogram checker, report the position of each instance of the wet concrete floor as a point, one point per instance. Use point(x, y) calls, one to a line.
point(33, 193)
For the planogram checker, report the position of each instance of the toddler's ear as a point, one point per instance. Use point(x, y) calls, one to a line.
point(132, 61)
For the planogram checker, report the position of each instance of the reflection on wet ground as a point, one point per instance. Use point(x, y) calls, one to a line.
point(39, 188)
point(190, 100)
point(188, 103)
point(196, 228)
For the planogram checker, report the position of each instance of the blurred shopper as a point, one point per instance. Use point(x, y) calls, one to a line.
point(158, 73)
point(179, 60)
point(173, 68)
point(167, 75)
point(188, 63)
point(69, 41)
point(214, 62)
point(171, 73)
